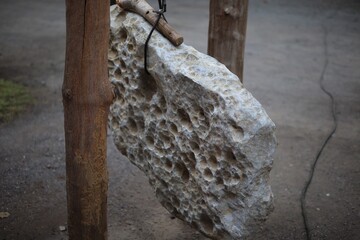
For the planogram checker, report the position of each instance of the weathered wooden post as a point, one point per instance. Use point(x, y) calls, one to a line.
point(86, 98)
point(227, 31)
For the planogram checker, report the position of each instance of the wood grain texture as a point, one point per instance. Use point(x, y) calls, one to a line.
point(227, 32)
point(86, 98)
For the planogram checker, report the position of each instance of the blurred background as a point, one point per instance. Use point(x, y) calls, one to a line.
point(290, 45)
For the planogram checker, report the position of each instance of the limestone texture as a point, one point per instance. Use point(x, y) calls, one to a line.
point(205, 143)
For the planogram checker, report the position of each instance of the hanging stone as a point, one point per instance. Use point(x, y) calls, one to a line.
point(205, 143)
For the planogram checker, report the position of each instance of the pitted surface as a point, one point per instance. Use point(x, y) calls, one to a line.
point(202, 139)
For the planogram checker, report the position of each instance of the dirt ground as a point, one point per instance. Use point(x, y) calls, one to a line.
point(287, 47)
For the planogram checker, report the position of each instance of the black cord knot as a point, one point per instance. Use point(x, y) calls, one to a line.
point(160, 12)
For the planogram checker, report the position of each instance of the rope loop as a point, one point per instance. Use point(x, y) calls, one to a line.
point(160, 12)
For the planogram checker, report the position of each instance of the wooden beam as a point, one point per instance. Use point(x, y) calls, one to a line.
point(142, 8)
point(86, 98)
point(227, 32)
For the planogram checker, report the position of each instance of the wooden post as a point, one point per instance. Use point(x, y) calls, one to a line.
point(227, 32)
point(86, 97)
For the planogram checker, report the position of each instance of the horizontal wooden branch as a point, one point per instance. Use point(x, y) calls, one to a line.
point(142, 8)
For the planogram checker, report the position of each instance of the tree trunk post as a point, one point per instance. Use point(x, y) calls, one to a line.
point(227, 32)
point(86, 98)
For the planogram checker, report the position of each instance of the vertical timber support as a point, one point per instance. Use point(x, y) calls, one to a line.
point(86, 98)
point(227, 32)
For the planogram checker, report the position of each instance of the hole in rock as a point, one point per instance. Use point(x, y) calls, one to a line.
point(121, 88)
point(206, 224)
point(119, 139)
point(219, 182)
point(123, 151)
point(205, 124)
point(173, 129)
point(162, 102)
point(192, 157)
point(140, 152)
point(112, 54)
point(184, 118)
point(157, 111)
point(123, 35)
point(165, 139)
point(185, 175)
point(122, 65)
point(147, 155)
point(230, 157)
point(217, 151)
point(116, 62)
point(147, 85)
point(130, 111)
point(156, 161)
point(231, 195)
point(203, 163)
point(141, 123)
point(121, 100)
point(208, 176)
point(191, 166)
point(181, 171)
point(131, 125)
point(243, 176)
point(149, 141)
point(136, 93)
point(115, 123)
point(117, 73)
point(159, 151)
point(168, 165)
point(236, 130)
point(212, 162)
point(131, 157)
point(194, 120)
point(236, 179)
point(110, 64)
point(133, 83)
point(201, 114)
point(162, 123)
point(226, 176)
point(124, 53)
point(217, 220)
point(195, 147)
point(164, 184)
point(210, 108)
point(130, 47)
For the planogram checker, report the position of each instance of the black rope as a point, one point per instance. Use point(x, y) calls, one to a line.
point(333, 112)
point(160, 12)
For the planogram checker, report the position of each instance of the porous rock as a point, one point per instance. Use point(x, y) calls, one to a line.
point(203, 140)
